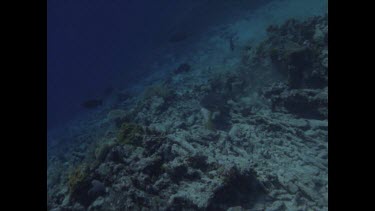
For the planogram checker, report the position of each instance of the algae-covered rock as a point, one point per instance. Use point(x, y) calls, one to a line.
point(130, 133)
point(103, 149)
point(79, 184)
point(306, 103)
point(77, 177)
point(159, 90)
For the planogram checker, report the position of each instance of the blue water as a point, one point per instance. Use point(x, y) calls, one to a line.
point(93, 43)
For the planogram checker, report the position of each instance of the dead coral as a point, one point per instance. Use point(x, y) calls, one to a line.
point(239, 187)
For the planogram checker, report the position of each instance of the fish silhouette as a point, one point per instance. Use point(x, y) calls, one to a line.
point(178, 37)
point(94, 103)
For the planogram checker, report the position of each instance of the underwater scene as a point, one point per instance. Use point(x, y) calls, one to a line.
point(217, 105)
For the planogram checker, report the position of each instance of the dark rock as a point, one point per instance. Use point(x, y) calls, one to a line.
point(213, 101)
point(306, 103)
point(293, 60)
point(277, 206)
point(142, 181)
point(239, 188)
point(192, 175)
point(179, 202)
point(178, 172)
point(247, 112)
point(80, 193)
point(198, 162)
point(163, 182)
point(115, 155)
point(295, 49)
point(274, 90)
point(153, 167)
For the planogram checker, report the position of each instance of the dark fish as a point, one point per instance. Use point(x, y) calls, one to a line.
point(182, 68)
point(178, 37)
point(231, 44)
point(92, 103)
point(97, 189)
point(123, 96)
point(108, 91)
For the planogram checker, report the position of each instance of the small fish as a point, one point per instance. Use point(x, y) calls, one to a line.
point(182, 68)
point(97, 189)
point(231, 43)
point(108, 91)
point(178, 37)
point(92, 103)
